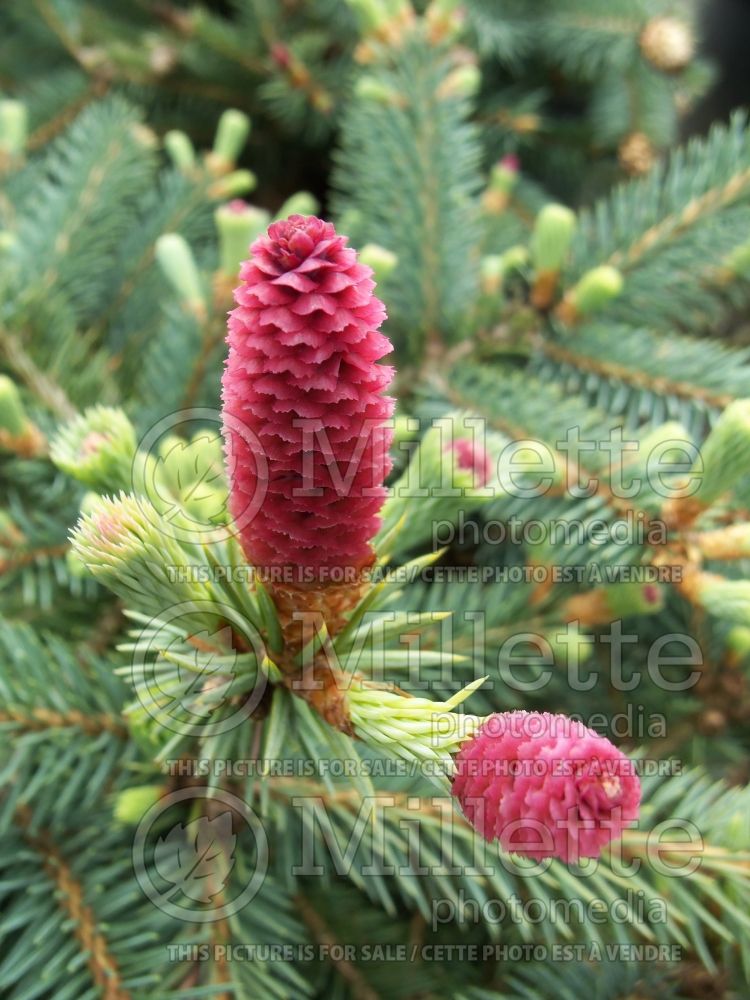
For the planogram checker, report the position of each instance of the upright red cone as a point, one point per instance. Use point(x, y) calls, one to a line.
point(304, 415)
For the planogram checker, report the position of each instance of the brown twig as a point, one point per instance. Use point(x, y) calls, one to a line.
point(39, 719)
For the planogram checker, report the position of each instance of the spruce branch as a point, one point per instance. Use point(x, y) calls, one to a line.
point(570, 356)
point(93, 942)
point(39, 382)
point(40, 719)
point(104, 153)
point(672, 227)
point(434, 243)
point(666, 225)
point(50, 129)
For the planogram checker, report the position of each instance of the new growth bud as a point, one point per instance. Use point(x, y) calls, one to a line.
point(180, 150)
point(595, 290)
point(231, 135)
point(628, 599)
point(636, 154)
point(503, 178)
point(13, 419)
point(551, 238)
point(97, 448)
point(373, 15)
point(413, 728)
point(550, 243)
point(660, 438)
point(125, 543)
point(668, 44)
point(234, 184)
point(301, 203)
point(491, 272)
point(370, 88)
point(238, 225)
point(473, 467)
point(383, 262)
point(8, 241)
point(17, 433)
point(89, 502)
point(188, 482)
point(449, 465)
point(177, 262)
point(369, 13)
point(723, 459)
point(737, 262)
point(444, 19)
point(738, 641)
point(462, 82)
point(607, 604)
point(725, 454)
point(448, 459)
point(132, 804)
point(515, 258)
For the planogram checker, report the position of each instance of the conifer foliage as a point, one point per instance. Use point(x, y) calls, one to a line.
point(305, 692)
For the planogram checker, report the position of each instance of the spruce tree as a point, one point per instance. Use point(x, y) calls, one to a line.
point(466, 714)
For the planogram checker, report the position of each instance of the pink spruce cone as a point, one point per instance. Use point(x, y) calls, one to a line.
point(545, 786)
point(473, 458)
point(302, 378)
point(511, 162)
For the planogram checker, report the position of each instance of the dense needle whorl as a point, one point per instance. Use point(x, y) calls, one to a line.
point(302, 389)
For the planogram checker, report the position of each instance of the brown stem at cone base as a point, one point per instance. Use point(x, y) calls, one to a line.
point(543, 292)
point(321, 685)
point(303, 611)
point(333, 602)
